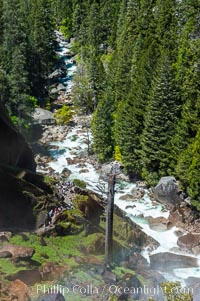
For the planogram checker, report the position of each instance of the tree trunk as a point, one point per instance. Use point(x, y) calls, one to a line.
point(109, 220)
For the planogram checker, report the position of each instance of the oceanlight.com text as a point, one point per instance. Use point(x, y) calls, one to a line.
point(86, 290)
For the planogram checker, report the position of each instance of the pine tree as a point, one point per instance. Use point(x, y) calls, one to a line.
point(82, 92)
point(15, 64)
point(19, 87)
point(77, 20)
point(188, 77)
point(42, 46)
point(130, 111)
point(1, 24)
point(160, 122)
point(127, 138)
point(193, 176)
point(4, 87)
point(102, 129)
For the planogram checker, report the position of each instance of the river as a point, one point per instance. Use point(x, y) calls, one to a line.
point(75, 145)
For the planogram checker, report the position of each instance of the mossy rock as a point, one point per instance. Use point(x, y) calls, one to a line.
point(94, 244)
point(79, 183)
point(127, 231)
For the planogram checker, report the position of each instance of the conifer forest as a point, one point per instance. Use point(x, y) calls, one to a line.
point(139, 76)
point(117, 84)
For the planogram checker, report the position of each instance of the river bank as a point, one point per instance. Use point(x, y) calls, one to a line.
point(73, 152)
point(70, 251)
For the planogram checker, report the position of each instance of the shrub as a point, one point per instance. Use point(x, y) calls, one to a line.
point(174, 292)
point(118, 155)
point(63, 115)
point(79, 183)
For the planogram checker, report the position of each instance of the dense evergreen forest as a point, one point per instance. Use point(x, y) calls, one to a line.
point(138, 73)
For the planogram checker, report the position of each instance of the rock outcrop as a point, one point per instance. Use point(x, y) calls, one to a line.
point(169, 261)
point(49, 271)
point(19, 291)
point(114, 166)
point(159, 224)
point(53, 133)
point(185, 217)
point(14, 150)
point(23, 197)
point(42, 116)
point(5, 236)
point(58, 73)
point(16, 291)
point(167, 191)
point(188, 241)
point(18, 252)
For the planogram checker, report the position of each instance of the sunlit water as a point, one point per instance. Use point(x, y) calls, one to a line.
point(75, 144)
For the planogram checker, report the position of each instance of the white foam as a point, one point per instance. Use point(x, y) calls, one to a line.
point(186, 273)
point(141, 209)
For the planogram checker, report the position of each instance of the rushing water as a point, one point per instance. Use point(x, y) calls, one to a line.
point(75, 144)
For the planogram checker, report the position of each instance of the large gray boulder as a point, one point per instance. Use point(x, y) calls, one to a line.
point(57, 74)
point(167, 191)
point(113, 167)
point(42, 116)
point(61, 87)
point(169, 261)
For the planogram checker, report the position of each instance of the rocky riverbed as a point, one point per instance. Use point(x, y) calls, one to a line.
point(169, 223)
point(177, 239)
point(148, 236)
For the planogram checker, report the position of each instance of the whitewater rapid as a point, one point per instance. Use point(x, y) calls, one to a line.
point(75, 144)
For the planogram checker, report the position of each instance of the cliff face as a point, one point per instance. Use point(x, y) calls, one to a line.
point(23, 193)
point(25, 199)
point(14, 150)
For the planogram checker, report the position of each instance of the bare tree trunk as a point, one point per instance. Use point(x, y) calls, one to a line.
point(109, 220)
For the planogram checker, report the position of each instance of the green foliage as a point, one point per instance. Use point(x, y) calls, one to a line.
point(138, 72)
point(146, 97)
point(75, 47)
point(14, 119)
point(34, 101)
point(26, 55)
point(126, 130)
point(118, 155)
point(74, 137)
point(65, 27)
point(64, 245)
point(82, 92)
point(193, 175)
point(103, 145)
point(174, 292)
point(7, 267)
point(120, 271)
point(49, 180)
point(63, 115)
point(79, 183)
point(113, 298)
point(106, 60)
point(47, 104)
point(160, 122)
point(4, 93)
